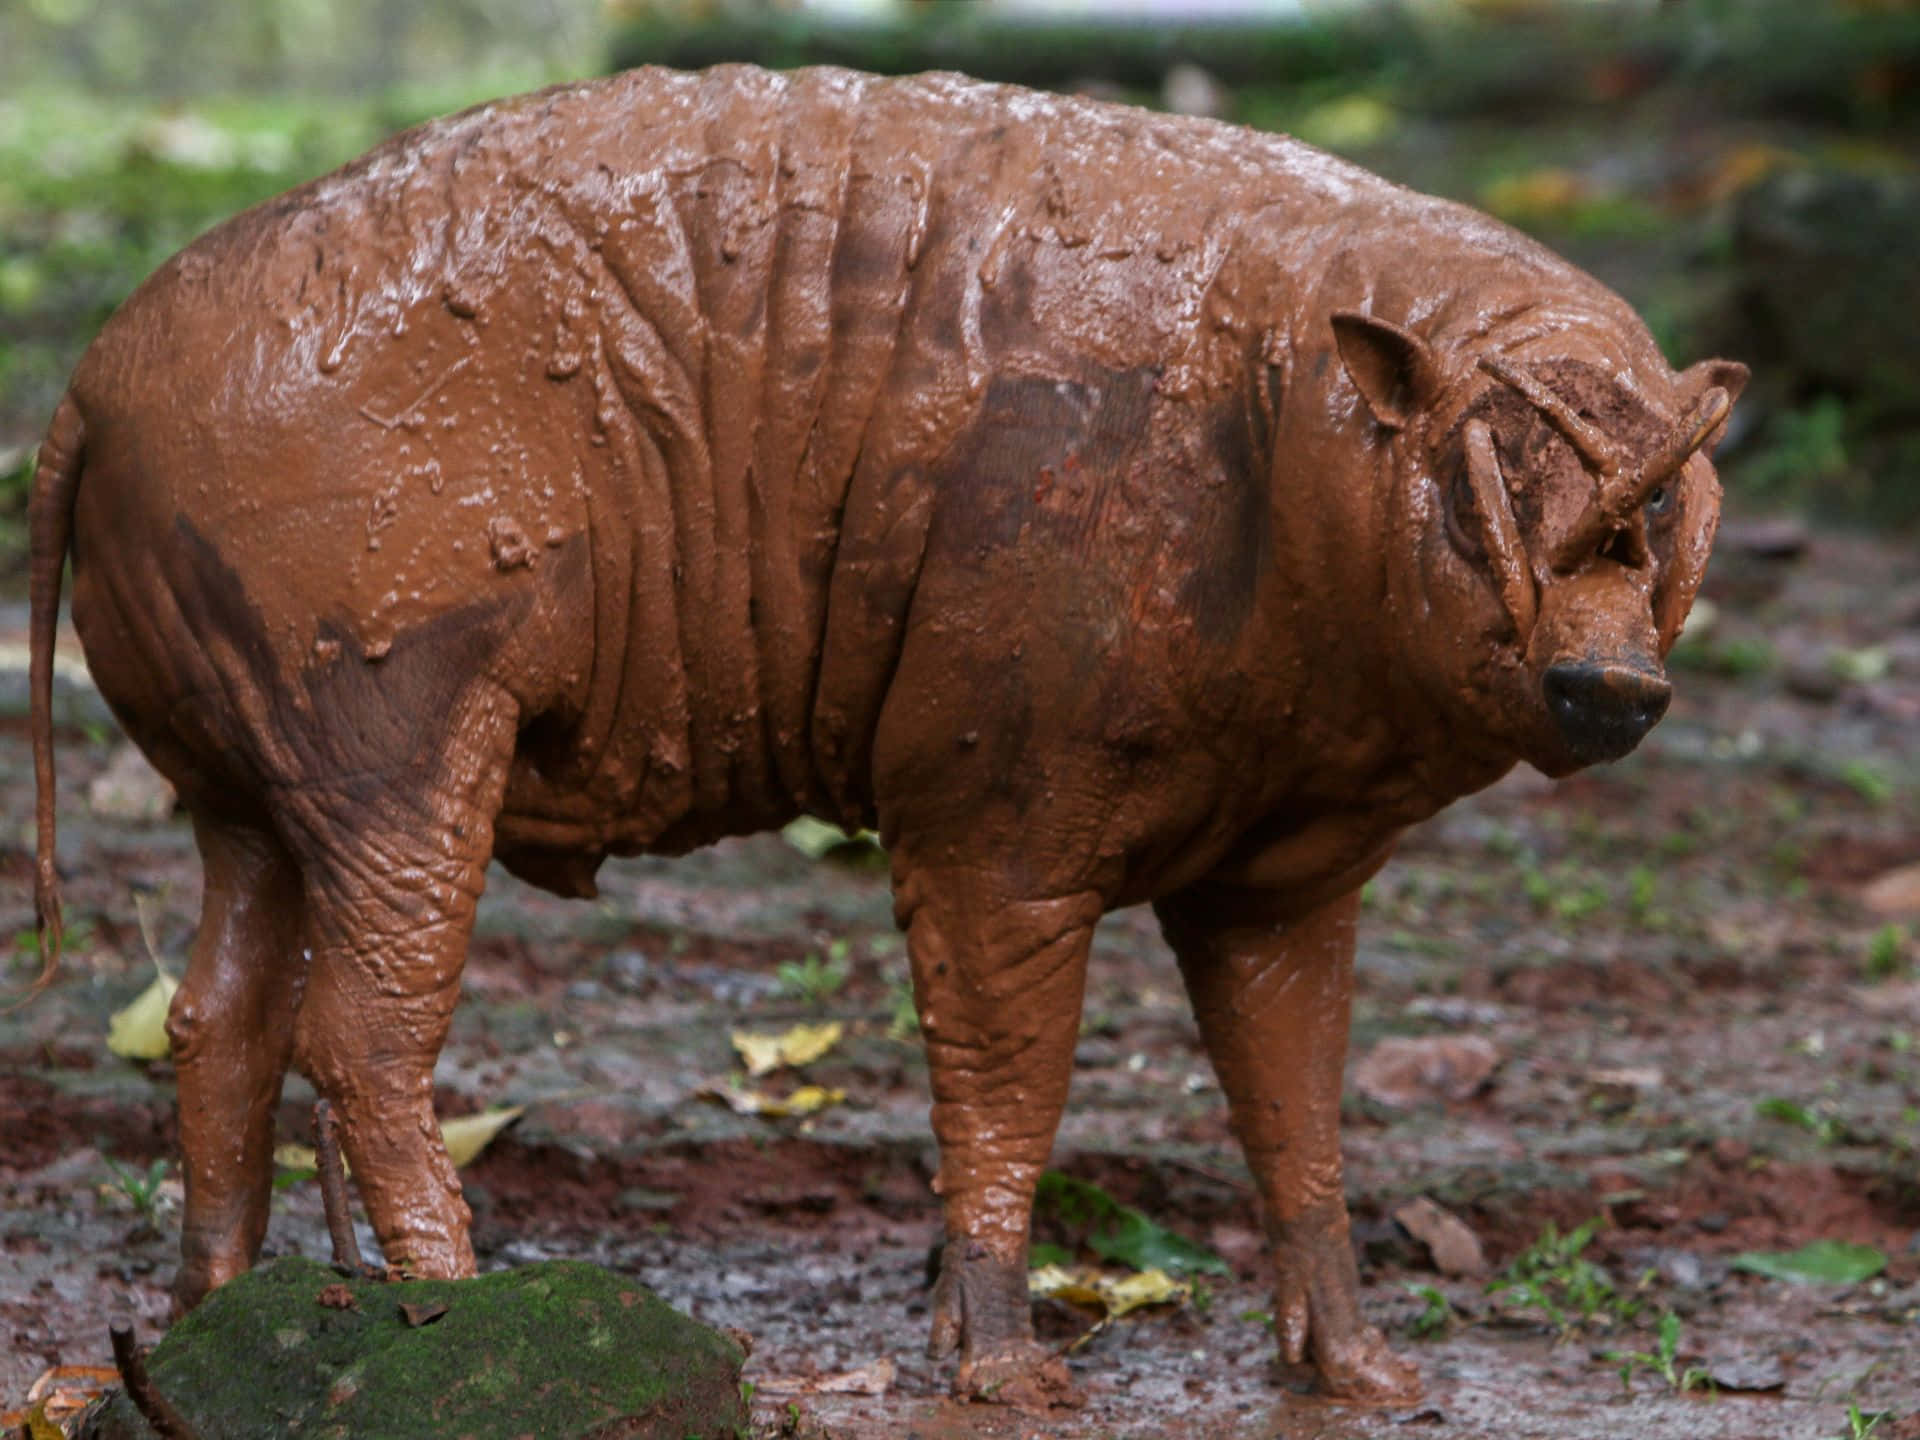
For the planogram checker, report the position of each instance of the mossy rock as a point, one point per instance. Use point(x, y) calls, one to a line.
point(561, 1349)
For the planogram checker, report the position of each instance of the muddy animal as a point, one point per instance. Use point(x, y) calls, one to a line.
point(1106, 507)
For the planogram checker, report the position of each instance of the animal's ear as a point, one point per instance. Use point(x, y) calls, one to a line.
point(1729, 375)
point(1393, 369)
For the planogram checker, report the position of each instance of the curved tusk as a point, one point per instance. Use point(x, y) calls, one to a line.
point(1499, 532)
point(1687, 436)
point(1620, 498)
point(1586, 437)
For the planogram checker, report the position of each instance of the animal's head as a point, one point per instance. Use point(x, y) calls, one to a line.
point(1560, 506)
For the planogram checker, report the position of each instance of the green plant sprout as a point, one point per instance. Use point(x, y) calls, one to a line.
point(142, 1190)
point(1436, 1319)
point(1550, 1276)
point(1661, 1361)
point(814, 980)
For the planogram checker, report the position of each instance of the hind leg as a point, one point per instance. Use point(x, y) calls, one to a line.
point(394, 871)
point(231, 1028)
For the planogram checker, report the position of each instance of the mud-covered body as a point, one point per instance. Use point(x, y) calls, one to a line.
point(709, 413)
point(641, 462)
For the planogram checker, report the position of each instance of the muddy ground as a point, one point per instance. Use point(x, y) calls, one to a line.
point(1708, 1041)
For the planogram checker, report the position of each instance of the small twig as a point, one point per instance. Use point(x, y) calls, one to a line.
point(154, 1408)
point(333, 1190)
point(1207, 1172)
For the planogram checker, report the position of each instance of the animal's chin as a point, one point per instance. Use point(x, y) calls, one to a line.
point(1556, 758)
point(1556, 766)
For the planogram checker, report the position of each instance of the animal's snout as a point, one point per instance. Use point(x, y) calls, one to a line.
point(1604, 710)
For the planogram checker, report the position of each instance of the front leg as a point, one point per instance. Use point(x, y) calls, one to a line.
point(1272, 998)
point(998, 982)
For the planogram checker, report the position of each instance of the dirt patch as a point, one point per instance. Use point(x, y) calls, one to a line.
point(42, 1123)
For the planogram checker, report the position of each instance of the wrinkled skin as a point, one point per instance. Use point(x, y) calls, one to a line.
point(1108, 507)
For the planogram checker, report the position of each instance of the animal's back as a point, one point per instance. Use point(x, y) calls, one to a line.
point(655, 376)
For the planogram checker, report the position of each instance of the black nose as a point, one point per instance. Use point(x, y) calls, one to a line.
point(1603, 710)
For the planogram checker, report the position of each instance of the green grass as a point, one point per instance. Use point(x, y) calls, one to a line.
point(1436, 1316)
point(1553, 1277)
point(1887, 952)
point(815, 980)
point(1861, 1425)
point(142, 1190)
point(1661, 1361)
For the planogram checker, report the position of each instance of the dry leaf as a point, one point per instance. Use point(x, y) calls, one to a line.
point(1454, 1247)
point(465, 1138)
point(1139, 1291)
point(468, 1135)
point(874, 1379)
point(1064, 1282)
point(807, 1100)
point(817, 839)
point(94, 1378)
point(763, 1054)
point(56, 1398)
point(1113, 1295)
point(139, 1032)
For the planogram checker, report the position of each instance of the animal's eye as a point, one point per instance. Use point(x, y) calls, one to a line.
point(1460, 515)
point(1661, 500)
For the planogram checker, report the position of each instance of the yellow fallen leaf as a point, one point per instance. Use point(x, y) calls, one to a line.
point(807, 1100)
point(139, 1032)
point(1128, 1293)
point(468, 1135)
point(465, 1137)
point(1114, 1295)
point(762, 1054)
point(1062, 1282)
point(817, 839)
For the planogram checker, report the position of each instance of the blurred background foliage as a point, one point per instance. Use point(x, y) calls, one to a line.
point(1745, 171)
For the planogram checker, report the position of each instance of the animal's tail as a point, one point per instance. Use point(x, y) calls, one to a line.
point(56, 480)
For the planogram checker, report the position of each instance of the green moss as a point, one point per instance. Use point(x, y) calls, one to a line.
point(558, 1349)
